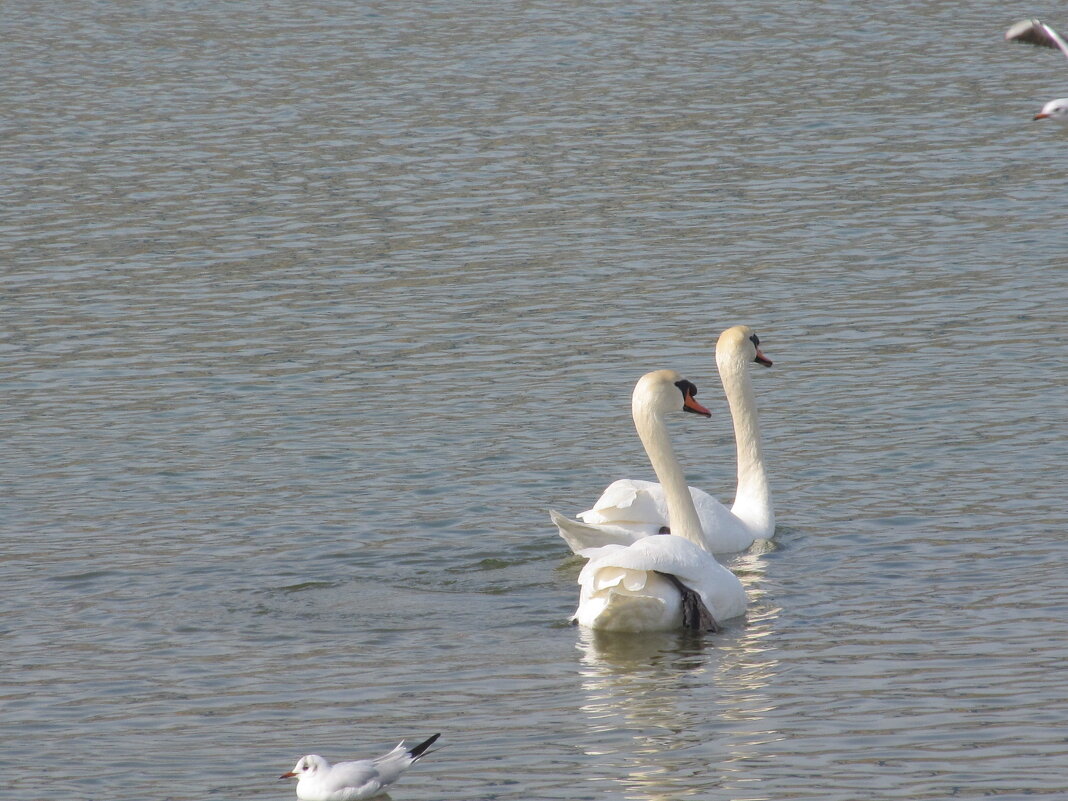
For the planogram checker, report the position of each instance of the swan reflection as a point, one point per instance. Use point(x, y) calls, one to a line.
point(675, 714)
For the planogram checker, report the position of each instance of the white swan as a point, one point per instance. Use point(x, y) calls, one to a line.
point(630, 509)
point(659, 582)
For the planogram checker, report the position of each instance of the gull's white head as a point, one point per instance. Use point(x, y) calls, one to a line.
point(308, 765)
point(665, 391)
point(1054, 110)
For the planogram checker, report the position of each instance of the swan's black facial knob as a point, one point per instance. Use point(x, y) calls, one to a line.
point(689, 390)
point(760, 358)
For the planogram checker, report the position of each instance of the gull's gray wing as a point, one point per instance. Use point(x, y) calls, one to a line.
point(1036, 32)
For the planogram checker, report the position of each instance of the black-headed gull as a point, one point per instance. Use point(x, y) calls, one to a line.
point(318, 780)
point(1036, 32)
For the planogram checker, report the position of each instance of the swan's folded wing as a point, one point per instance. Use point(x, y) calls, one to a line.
point(724, 532)
point(615, 576)
point(629, 501)
point(638, 509)
point(665, 554)
point(718, 587)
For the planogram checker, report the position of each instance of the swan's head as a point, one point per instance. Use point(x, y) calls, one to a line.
point(665, 391)
point(740, 343)
point(306, 766)
point(1054, 110)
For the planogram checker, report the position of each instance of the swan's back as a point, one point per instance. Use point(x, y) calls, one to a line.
point(636, 509)
point(622, 589)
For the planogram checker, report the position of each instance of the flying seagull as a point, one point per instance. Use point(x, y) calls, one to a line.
point(1036, 32)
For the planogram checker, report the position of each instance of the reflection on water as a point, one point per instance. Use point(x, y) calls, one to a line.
point(685, 701)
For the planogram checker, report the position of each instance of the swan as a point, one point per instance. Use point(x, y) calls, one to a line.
point(630, 509)
point(662, 582)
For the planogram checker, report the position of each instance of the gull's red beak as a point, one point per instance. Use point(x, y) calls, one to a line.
point(1040, 116)
point(289, 775)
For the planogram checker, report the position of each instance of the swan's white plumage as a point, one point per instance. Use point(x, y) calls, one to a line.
point(581, 536)
point(630, 509)
point(628, 501)
point(622, 588)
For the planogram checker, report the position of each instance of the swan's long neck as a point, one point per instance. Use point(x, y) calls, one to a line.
point(682, 515)
point(752, 503)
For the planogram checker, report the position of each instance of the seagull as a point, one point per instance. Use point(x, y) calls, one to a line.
point(318, 780)
point(1036, 32)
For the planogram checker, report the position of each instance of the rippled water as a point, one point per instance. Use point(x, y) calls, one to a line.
point(312, 310)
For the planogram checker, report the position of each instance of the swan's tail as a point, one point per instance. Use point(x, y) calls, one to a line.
point(420, 749)
point(582, 536)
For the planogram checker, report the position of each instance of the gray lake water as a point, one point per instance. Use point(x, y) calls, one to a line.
point(312, 310)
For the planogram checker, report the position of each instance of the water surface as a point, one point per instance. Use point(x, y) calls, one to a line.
point(313, 310)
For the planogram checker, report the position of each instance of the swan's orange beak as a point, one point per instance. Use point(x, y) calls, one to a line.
point(691, 405)
point(762, 359)
point(289, 775)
